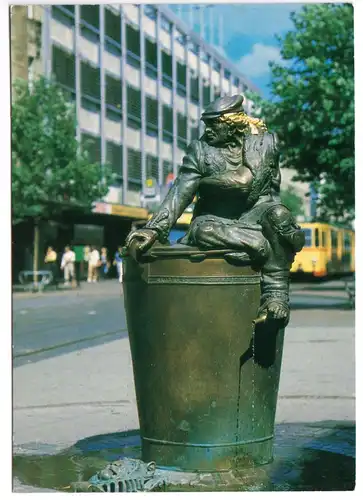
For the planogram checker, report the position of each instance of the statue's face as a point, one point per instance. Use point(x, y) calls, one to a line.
point(216, 132)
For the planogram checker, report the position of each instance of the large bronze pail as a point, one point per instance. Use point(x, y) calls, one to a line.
point(206, 379)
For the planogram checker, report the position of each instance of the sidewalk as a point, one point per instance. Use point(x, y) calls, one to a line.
point(61, 400)
point(102, 286)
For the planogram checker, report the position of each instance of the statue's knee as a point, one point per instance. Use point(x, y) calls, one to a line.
point(205, 229)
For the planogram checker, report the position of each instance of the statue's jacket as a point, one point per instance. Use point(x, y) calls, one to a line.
point(237, 208)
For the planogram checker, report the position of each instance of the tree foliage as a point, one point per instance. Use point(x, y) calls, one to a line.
point(50, 173)
point(292, 200)
point(312, 105)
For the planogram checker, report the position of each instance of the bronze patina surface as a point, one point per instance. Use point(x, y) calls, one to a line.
point(203, 403)
point(206, 317)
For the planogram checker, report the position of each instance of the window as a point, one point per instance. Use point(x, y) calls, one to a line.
point(181, 73)
point(308, 236)
point(114, 158)
point(216, 65)
point(63, 67)
point(182, 131)
point(90, 86)
point(112, 32)
point(167, 169)
point(206, 95)
point(205, 57)
point(194, 133)
point(193, 47)
point(347, 241)
point(194, 90)
point(151, 58)
point(167, 69)
point(91, 14)
point(152, 168)
point(227, 74)
point(151, 116)
point(323, 234)
point(236, 81)
point(334, 238)
point(165, 25)
point(134, 169)
point(180, 37)
point(133, 46)
point(63, 14)
point(133, 108)
point(150, 11)
point(113, 98)
point(90, 22)
point(167, 124)
point(317, 242)
point(92, 146)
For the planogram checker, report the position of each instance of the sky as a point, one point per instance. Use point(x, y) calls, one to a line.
point(248, 34)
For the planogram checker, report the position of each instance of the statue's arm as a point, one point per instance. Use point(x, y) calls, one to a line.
point(180, 195)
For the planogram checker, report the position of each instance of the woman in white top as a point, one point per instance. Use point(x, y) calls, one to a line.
point(93, 264)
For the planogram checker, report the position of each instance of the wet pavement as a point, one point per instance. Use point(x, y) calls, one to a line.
point(308, 457)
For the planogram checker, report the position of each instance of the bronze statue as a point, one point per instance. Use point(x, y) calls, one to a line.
point(233, 169)
point(206, 317)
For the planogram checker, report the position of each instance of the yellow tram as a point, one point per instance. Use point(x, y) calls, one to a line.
point(328, 251)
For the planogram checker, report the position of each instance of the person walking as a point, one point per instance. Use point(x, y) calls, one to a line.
point(118, 263)
point(78, 250)
point(86, 254)
point(104, 263)
point(67, 265)
point(93, 264)
point(51, 263)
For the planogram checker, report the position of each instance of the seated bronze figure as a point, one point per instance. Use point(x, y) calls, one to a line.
point(233, 169)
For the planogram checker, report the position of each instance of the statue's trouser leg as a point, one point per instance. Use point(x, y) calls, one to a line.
point(218, 235)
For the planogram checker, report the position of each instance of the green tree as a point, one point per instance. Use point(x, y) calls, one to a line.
point(312, 105)
point(292, 200)
point(50, 172)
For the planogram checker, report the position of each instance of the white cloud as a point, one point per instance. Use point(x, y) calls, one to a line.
point(256, 63)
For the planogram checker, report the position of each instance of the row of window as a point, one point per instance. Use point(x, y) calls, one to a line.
point(90, 21)
point(312, 238)
point(63, 70)
point(114, 153)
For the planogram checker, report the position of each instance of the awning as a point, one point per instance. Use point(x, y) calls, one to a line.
point(120, 210)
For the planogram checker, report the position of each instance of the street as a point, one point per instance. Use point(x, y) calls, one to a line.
point(73, 376)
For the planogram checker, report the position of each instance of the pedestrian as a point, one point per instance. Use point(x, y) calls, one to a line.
point(78, 250)
point(93, 265)
point(118, 263)
point(86, 254)
point(67, 264)
point(104, 263)
point(51, 263)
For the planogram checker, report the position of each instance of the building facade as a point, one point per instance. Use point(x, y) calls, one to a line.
point(139, 79)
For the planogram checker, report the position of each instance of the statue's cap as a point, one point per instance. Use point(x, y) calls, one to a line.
point(225, 104)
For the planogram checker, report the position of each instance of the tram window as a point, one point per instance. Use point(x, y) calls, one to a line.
point(323, 234)
point(334, 239)
point(308, 236)
point(317, 243)
point(347, 241)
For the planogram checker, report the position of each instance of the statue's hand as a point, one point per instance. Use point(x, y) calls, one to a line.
point(139, 241)
point(275, 309)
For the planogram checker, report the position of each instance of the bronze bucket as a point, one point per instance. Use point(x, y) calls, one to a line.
point(206, 378)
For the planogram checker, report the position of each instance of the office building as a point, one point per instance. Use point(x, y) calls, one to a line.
point(139, 79)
